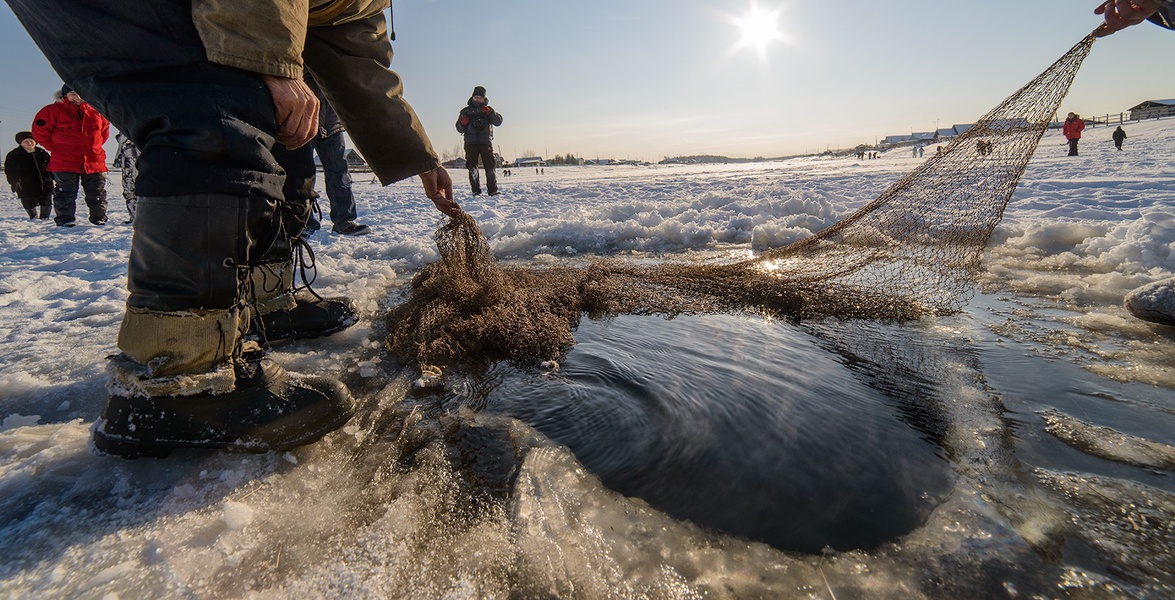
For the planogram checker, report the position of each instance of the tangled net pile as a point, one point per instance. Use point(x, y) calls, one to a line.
point(913, 251)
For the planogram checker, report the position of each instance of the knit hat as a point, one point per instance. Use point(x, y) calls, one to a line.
point(479, 91)
point(65, 89)
point(23, 135)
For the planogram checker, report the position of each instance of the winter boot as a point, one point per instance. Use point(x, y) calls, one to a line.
point(186, 376)
point(45, 210)
point(283, 314)
point(253, 405)
point(32, 212)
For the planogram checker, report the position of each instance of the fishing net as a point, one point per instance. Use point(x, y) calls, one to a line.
point(913, 251)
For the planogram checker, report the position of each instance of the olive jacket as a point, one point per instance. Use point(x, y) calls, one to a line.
point(345, 46)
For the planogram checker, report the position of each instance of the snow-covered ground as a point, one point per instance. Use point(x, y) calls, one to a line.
point(1079, 234)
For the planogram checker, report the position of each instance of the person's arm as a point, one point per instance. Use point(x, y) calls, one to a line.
point(9, 163)
point(462, 123)
point(493, 115)
point(104, 127)
point(42, 128)
point(1120, 14)
point(351, 62)
point(1165, 17)
point(438, 186)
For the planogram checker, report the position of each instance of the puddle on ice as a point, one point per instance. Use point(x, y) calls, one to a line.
point(647, 466)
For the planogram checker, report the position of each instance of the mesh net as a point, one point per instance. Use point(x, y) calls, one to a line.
point(913, 251)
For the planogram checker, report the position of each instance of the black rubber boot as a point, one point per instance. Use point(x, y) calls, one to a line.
point(269, 410)
point(312, 317)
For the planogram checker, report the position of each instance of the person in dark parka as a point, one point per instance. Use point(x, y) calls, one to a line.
point(476, 122)
point(1119, 136)
point(27, 168)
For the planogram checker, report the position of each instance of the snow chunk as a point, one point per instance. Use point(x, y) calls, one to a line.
point(237, 515)
point(1154, 302)
point(15, 420)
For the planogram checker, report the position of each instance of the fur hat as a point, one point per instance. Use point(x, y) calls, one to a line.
point(479, 91)
point(23, 135)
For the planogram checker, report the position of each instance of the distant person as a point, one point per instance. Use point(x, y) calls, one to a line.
point(73, 132)
point(1120, 14)
point(1119, 136)
point(921, 150)
point(331, 149)
point(128, 161)
point(27, 169)
point(476, 122)
point(1072, 130)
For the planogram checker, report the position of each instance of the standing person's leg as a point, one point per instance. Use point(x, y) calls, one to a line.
point(489, 164)
point(129, 172)
point(65, 198)
point(1073, 147)
point(46, 205)
point(209, 192)
point(471, 155)
point(283, 310)
point(30, 206)
point(94, 185)
point(332, 151)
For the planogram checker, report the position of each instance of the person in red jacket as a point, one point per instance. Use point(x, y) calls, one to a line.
point(1072, 130)
point(73, 132)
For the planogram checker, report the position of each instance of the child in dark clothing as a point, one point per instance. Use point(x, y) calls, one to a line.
point(26, 168)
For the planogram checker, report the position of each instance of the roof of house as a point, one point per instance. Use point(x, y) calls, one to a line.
point(1154, 103)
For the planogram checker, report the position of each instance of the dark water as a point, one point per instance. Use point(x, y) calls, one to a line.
point(756, 428)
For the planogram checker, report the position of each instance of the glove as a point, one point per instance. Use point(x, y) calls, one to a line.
point(486, 109)
point(464, 120)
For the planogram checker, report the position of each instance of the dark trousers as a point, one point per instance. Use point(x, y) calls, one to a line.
point(32, 203)
point(332, 152)
point(486, 153)
point(209, 183)
point(1073, 147)
point(65, 196)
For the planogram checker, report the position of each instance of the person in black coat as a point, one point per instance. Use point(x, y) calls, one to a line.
point(476, 122)
point(1119, 136)
point(28, 175)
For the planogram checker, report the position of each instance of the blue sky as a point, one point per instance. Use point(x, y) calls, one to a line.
point(655, 78)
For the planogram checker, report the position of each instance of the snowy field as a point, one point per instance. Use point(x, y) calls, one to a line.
point(1077, 236)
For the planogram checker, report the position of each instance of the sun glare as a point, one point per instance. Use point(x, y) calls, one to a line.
point(759, 28)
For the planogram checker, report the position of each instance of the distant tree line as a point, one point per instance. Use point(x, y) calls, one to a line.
point(568, 159)
point(709, 158)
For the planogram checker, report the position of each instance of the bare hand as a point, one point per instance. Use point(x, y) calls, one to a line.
point(1121, 14)
point(296, 108)
point(438, 186)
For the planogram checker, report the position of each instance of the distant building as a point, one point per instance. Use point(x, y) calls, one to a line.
point(893, 140)
point(354, 159)
point(960, 129)
point(1153, 109)
point(530, 161)
point(946, 133)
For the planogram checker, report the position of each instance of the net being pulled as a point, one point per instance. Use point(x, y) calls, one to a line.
point(914, 251)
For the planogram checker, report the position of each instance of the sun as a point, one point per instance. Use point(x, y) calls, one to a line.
point(759, 28)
